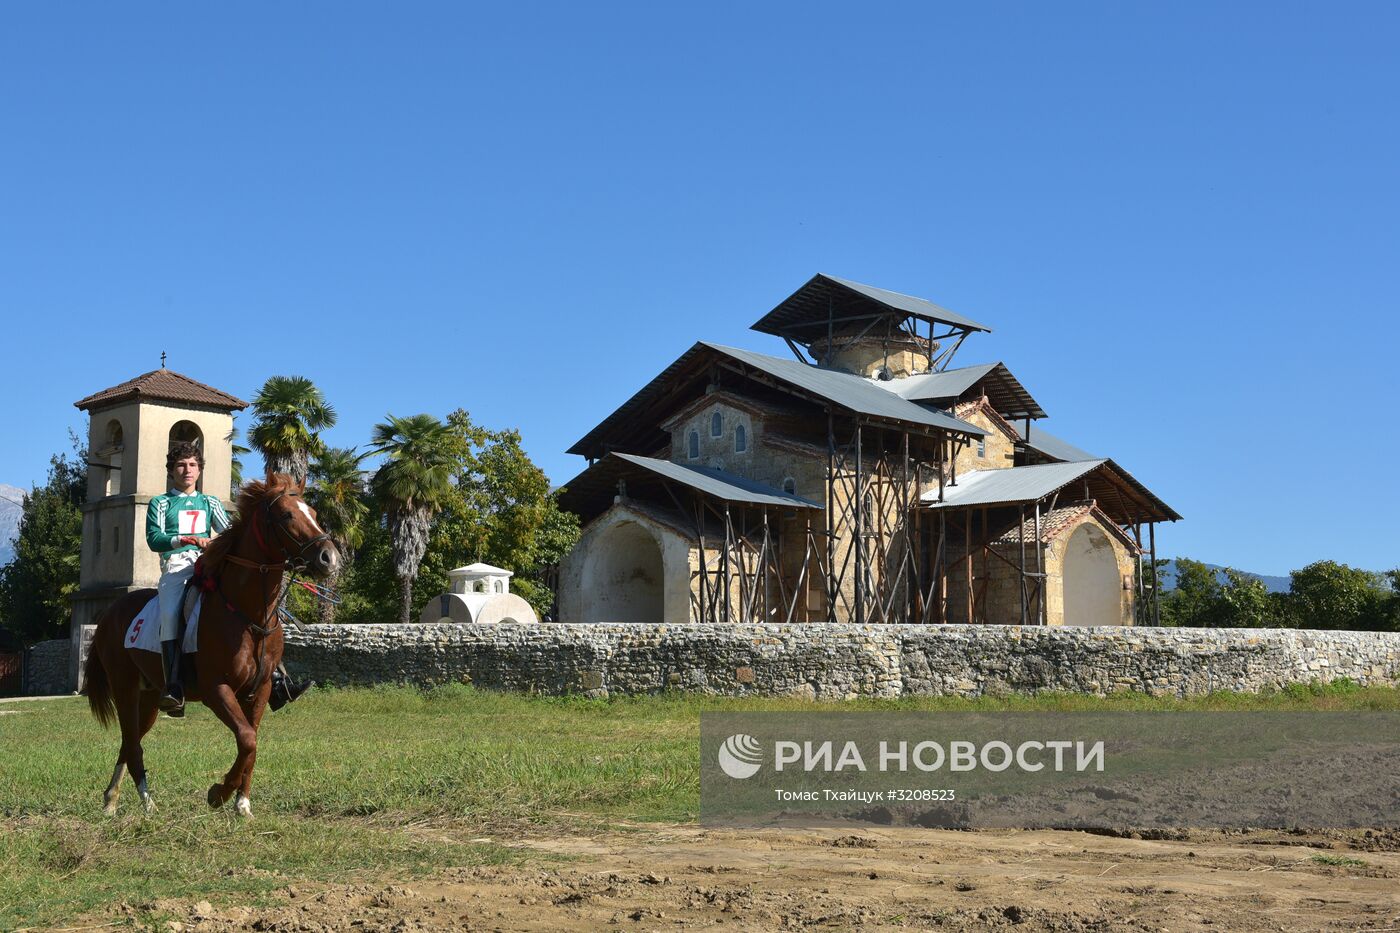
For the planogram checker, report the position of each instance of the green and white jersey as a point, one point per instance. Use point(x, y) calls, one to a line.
point(176, 515)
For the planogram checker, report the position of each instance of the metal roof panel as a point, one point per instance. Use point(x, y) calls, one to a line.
point(1055, 447)
point(1012, 485)
point(852, 392)
point(719, 483)
point(826, 296)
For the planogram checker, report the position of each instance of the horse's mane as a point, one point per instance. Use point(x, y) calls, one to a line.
point(250, 496)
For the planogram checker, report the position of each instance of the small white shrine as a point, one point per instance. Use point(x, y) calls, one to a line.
point(478, 593)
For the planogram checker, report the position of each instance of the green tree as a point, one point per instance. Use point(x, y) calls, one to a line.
point(1209, 597)
point(500, 511)
point(412, 484)
point(236, 464)
point(1392, 604)
point(337, 493)
point(1195, 599)
point(1247, 602)
point(289, 414)
point(37, 585)
point(1329, 595)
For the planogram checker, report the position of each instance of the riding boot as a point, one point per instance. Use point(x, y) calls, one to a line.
point(285, 690)
point(172, 702)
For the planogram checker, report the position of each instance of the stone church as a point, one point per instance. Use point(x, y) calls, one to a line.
point(861, 479)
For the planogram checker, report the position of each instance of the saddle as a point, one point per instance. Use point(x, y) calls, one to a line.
point(143, 634)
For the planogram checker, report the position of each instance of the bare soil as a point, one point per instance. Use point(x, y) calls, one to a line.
point(856, 876)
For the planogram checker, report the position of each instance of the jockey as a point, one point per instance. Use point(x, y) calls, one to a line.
point(179, 525)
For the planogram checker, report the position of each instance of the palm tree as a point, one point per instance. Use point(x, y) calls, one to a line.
point(411, 486)
point(290, 412)
point(337, 494)
point(236, 464)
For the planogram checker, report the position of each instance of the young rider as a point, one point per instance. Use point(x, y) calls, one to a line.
point(179, 525)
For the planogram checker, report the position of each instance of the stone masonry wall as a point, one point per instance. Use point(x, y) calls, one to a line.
point(46, 671)
point(839, 661)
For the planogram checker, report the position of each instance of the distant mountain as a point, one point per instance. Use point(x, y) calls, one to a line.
point(1272, 584)
point(10, 509)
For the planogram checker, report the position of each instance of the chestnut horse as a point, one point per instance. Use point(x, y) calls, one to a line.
point(240, 636)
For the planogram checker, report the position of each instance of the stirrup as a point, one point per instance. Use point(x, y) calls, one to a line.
point(285, 690)
point(172, 703)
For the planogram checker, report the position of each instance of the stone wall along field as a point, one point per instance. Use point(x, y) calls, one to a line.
point(46, 669)
point(839, 661)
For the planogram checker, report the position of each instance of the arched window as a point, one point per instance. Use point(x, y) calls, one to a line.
point(694, 450)
point(790, 486)
point(479, 586)
point(741, 439)
point(109, 459)
point(716, 425)
point(499, 587)
point(188, 431)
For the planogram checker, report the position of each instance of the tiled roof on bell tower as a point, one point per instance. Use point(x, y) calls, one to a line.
point(163, 385)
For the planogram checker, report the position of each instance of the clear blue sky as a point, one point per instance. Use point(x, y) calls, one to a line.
point(1180, 219)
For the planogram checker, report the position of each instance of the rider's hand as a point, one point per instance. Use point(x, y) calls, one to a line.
point(200, 543)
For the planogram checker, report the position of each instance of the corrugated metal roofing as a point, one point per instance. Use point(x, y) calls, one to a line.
point(950, 383)
point(826, 294)
point(1012, 485)
point(1116, 490)
point(1055, 447)
point(718, 483)
point(1004, 390)
point(852, 392)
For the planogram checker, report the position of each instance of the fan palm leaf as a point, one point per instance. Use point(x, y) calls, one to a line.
point(290, 412)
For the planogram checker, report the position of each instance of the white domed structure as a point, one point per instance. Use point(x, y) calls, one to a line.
point(479, 593)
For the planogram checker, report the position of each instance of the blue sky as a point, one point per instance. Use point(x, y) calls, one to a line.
point(1180, 219)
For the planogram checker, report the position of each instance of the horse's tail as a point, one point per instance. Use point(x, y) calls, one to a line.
point(97, 687)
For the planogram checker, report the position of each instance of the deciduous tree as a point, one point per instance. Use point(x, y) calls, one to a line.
point(37, 585)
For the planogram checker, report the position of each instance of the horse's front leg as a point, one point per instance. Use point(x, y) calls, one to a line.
point(225, 705)
point(253, 712)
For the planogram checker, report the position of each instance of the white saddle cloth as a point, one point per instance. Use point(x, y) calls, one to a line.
point(144, 632)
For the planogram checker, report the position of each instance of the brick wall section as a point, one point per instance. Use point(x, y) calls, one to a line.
point(839, 661)
point(46, 669)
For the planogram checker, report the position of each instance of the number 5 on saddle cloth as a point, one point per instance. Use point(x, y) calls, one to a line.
point(144, 632)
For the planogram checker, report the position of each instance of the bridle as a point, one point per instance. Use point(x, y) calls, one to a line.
point(292, 562)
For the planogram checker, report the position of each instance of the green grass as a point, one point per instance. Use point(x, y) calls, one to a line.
point(369, 781)
point(1340, 861)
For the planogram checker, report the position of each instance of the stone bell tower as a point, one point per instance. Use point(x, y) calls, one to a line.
point(131, 428)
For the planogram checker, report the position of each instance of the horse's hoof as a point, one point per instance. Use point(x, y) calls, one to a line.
point(148, 803)
point(244, 807)
point(216, 796)
point(110, 808)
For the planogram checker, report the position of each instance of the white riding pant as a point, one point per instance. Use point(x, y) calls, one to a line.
point(178, 570)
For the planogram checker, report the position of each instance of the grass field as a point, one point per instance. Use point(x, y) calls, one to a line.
point(370, 781)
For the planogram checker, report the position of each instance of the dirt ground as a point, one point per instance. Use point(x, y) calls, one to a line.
point(854, 877)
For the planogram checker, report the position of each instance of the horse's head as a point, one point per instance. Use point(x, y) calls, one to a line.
point(286, 526)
